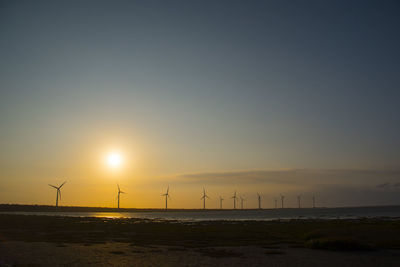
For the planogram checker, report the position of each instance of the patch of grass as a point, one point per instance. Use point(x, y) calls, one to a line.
point(339, 244)
point(313, 235)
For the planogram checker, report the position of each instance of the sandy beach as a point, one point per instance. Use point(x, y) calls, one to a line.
point(70, 241)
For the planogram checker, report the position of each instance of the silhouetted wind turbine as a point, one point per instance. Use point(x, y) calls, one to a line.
point(234, 200)
point(299, 200)
point(241, 201)
point(282, 198)
point(204, 198)
point(119, 192)
point(220, 202)
point(313, 201)
point(166, 198)
point(58, 192)
point(259, 200)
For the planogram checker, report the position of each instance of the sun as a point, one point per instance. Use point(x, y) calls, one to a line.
point(114, 160)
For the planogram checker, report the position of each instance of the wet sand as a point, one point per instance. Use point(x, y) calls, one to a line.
point(62, 241)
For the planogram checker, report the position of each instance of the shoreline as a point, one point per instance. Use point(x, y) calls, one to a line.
point(120, 215)
point(190, 215)
point(51, 208)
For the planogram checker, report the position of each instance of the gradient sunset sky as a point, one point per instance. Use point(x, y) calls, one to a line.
point(275, 97)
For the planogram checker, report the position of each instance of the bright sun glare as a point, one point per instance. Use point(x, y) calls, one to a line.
point(114, 160)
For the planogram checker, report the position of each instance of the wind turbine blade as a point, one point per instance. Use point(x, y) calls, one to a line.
point(62, 184)
point(59, 193)
point(118, 188)
point(53, 186)
point(167, 190)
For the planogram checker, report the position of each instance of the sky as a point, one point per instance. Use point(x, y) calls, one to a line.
point(276, 97)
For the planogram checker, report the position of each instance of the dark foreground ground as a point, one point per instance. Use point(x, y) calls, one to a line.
point(68, 241)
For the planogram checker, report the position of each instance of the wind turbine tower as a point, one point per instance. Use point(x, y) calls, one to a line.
point(234, 200)
point(204, 198)
point(166, 198)
point(299, 200)
point(241, 201)
point(58, 192)
point(313, 201)
point(220, 202)
point(259, 200)
point(119, 193)
point(282, 198)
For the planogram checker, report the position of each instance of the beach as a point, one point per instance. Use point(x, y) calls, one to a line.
point(30, 240)
point(123, 254)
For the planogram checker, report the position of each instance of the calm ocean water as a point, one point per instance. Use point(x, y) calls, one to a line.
point(240, 215)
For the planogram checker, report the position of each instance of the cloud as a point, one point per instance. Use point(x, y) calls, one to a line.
point(298, 177)
point(359, 195)
point(388, 186)
point(332, 187)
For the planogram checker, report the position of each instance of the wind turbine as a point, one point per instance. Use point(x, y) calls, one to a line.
point(234, 200)
point(241, 201)
point(166, 198)
point(58, 192)
point(313, 201)
point(204, 198)
point(299, 200)
point(119, 193)
point(282, 198)
point(259, 200)
point(220, 202)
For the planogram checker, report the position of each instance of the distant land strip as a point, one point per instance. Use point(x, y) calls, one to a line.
point(48, 208)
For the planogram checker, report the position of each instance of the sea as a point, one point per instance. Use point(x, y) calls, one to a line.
point(386, 212)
